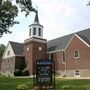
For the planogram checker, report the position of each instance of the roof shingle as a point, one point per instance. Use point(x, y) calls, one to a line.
point(17, 47)
point(55, 44)
point(62, 42)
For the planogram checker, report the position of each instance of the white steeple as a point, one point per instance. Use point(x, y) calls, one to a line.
point(36, 29)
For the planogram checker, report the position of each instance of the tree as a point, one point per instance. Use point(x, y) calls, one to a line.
point(26, 5)
point(8, 12)
point(2, 48)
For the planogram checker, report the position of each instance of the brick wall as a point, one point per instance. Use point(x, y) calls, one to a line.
point(59, 65)
point(32, 52)
point(81, 63)
point(8, 66)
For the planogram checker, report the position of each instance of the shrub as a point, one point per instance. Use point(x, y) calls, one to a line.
point(25, 73)
point(17, 73)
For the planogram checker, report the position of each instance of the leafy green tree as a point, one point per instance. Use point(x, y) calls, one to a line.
point(2, 48)
point(26, 5)
point(8, 12)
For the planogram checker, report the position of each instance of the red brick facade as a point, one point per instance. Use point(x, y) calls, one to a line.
point(83, 62)
point(34, 50)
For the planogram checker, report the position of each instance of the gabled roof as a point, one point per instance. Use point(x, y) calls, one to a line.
point(85, 35)
point(17, 48)
point(58, 43)
point(62, 42)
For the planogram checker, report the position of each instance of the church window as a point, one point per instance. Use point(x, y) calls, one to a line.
point(63, 57)
point(8, 53)
point(76, 54)
point(30, 32)
point(39, 31)
point(34, 31)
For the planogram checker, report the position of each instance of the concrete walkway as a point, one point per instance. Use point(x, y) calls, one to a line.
point(59, 77)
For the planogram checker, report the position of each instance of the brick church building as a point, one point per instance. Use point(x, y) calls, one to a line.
point(71, 53)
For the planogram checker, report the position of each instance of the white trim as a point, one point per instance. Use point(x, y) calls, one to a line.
point(55, 51)
point(69, 41)
point(36, 39)
point(6, 50)
point(78, 38)
point(82, 40)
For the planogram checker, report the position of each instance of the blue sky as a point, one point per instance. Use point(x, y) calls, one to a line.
point(59, 18)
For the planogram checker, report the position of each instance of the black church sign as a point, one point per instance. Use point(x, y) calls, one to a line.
point(44, 73)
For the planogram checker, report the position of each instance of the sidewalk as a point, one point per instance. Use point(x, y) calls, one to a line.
point(59, 77)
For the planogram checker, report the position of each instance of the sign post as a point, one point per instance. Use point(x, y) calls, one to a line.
point(44, 74)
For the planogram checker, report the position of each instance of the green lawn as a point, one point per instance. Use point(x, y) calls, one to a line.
point(73, 84)
point(61, 84)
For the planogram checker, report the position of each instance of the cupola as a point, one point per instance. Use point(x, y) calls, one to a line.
point(36, 29)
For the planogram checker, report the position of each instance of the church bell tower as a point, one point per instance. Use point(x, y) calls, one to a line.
point(35, 47)
point(36, 29)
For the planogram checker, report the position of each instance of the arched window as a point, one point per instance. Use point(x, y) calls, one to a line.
point(34, 31)
point(39, 31)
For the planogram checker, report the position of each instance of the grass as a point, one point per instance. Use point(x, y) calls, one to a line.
point(73, 84)
point(7, 83)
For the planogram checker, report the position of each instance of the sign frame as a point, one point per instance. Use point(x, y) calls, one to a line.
point(44, 73)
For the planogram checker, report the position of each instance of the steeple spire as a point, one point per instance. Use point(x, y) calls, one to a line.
point(36, 20)
point(36, 29)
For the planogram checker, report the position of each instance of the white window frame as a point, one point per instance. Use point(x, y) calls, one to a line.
point(78, 54)
point(77, 72)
